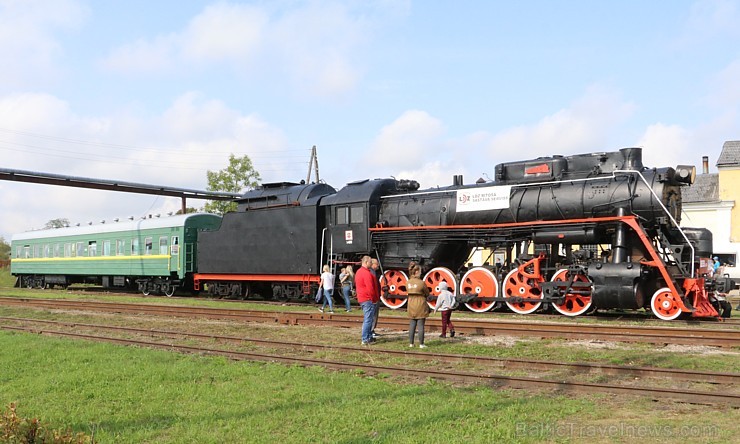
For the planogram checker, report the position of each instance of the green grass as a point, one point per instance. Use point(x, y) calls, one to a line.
point(132, 395)
point(6, 279)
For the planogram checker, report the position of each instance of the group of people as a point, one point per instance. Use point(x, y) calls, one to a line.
point(366, 285)
point(346, 280)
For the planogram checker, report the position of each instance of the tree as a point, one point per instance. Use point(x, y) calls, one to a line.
point(4, 249)
point(238, 177)
point(57, 223)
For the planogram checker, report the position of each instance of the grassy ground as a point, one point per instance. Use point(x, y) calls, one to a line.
point(130, 395)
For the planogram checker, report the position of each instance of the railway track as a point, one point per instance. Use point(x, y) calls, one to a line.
point(453, 375)
point(631, 316)
point(726, 337)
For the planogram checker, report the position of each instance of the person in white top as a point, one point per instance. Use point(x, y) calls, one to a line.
point(327, 284)
point(445, 304)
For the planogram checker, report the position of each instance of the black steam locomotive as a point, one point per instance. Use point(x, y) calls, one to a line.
point(574, 233)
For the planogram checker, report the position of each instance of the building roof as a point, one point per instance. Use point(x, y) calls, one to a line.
point(704, 189)
point(730, 155)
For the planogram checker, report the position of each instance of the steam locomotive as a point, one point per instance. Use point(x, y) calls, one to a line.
point(575, 233)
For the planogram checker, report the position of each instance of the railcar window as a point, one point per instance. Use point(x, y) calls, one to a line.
point(56, 250)
point(120, 247)
point(80, 249)
point(148, 246)
point(67, 250)
point(47, 250)
point(163, 245)
point(356, 215)
point(37, 251)
point(18, 251)
point(135, 246)
point(106, 248)
point(92, 248)
point(342, 216)
point(27, 251)
point(175, 245)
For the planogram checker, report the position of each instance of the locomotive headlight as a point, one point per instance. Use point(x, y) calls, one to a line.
point(685, 174)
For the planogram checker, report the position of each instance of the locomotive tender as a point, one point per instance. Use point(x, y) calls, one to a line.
point(576, 233)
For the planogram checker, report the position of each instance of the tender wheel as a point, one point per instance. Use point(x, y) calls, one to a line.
point(396, 281)
point(516, 285)
point(664, 305)
point(434, 277)
point(574, 304)
point(480, 281)
point(146, 290)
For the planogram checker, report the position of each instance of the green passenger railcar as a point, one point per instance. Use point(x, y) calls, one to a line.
point(155, 255)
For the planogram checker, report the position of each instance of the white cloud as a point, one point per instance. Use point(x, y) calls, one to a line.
point(28, 32)
point(143, 56)
point(224, 32)
point(711, 19)
point(725, 87)
point(409, 140)
point(663, 144)
point(314, 45)
point(172, 149)
point(583, 127)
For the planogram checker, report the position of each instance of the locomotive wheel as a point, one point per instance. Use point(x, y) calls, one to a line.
point(434, 277)
point(480, 281)
point(516, 285)
point(664, 305)
point(574, 304)
point(396, 281)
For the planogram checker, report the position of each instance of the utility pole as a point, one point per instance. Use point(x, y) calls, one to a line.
point(314, 162)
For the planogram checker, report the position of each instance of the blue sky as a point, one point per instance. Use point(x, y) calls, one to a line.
point(161, 91)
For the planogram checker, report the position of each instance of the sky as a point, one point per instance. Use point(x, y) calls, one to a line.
point(160, 92)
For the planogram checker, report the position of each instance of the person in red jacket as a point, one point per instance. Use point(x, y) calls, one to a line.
point(368, 294)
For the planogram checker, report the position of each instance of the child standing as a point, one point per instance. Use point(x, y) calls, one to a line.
point(445, 304)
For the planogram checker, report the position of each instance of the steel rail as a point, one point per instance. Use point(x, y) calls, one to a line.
point(648, 334)
point(690, 396)
point(503, 363)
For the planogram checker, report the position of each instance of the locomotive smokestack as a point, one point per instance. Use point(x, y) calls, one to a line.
point(705, 165)
point(632, 159)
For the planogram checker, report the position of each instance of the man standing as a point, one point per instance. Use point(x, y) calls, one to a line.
point(368, 294)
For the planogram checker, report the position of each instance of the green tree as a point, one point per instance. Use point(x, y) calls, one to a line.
point(57, 223)
point(4, 249)
point(238, 177)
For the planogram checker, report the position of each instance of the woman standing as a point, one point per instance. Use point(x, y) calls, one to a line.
point(347, 279)
point(418, 309)
point(327, 283)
